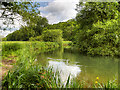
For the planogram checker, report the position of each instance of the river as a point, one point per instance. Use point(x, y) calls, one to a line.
point(82, 67)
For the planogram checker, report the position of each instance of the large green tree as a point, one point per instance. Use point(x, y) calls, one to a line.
point(32, 30)
point(92, 12)
point(40, 24)
point(98, 32)
point(28, 11)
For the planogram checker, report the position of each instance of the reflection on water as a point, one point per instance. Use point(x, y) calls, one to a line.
point(81, 66)
point(65, 70)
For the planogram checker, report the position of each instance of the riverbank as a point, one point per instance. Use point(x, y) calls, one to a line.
point(6, 66)
point(28, 74)
point(12, 49)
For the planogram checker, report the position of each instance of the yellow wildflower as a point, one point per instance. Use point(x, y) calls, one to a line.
point(97, 78)
point(96, 82)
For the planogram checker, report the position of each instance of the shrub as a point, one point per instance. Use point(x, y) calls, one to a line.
point(52, 35)
point(8, 48)
point(4, 39)
point(37, 38)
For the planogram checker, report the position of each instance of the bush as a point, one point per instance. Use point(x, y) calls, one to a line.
point(102, 39)
point(37, 38)
point(4, 39)
point(52, 35)
point(8, 48)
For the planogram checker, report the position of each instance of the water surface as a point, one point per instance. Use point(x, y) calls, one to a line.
point(80, 66)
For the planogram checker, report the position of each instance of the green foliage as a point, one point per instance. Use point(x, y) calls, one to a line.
point(21, 35)
point(68, 28)
point(32, 30)
point(37, 38)
point(9, 48)
point(92, 12)
point(27, 73)
point(4, 39)
point(98, 32)
point(54, 35)
point(40, 24)
point(67, 44)
point(102, 39)
point(28, 11)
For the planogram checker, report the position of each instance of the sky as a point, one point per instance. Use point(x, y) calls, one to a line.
point(58, 10)
point(54, 10)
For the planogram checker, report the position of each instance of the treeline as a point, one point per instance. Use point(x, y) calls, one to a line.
point(33, 29)
point(69, 29)
point(35, 32)
point(95, 29)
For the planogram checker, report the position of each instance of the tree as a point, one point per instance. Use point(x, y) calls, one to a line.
point(21, 35)
point(98, 32)
point(68, 28)
point(41, 23)
point(52, 35)
point(27, 10)
point(92, 12)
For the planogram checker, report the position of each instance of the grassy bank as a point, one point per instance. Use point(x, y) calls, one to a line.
point(12, 47)
point(25, 72)
point(29, 74)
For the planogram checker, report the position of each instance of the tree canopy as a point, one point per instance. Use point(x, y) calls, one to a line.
point(92, 12)
point(28, 11)
point(68, 28)
point(21, 35)
point(98, 32)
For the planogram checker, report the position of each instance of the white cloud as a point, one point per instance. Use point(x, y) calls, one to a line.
point(5, 33)
point(17, 22)
point(59, 10)
point(11, 27)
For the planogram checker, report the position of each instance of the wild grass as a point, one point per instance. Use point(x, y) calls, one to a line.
point(11, 47)
point(29, 74)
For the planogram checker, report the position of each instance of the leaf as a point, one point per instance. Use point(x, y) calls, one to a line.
point(68, 81)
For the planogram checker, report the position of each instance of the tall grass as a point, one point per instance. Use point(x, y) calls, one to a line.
point(26, 74)
point(29, 74)
point(10, 47)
